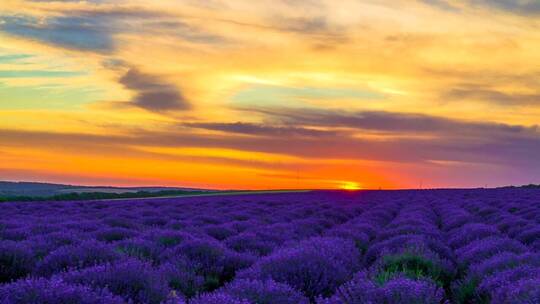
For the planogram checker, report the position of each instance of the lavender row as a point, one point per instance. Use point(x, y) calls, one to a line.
point(490, 264)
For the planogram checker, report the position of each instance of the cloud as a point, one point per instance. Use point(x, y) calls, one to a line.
point(510, 146)
point(322, 33)
point(77, 32)
point(93, 29)
point(90, 1)
point(388, 122)
point(494, 96)
point(184, 31)
point(260, 129)
point(312, 25)
point(13, 58)
point(524, 7)
point(443, 4)
point(37, 74)
point(153, 93)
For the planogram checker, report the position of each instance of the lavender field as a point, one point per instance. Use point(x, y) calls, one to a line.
point(431, 246)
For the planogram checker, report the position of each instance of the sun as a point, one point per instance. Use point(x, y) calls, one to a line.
point(351, 186)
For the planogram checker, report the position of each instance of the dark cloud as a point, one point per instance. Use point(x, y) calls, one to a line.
point(259, 129)
point(183, 31)
point(515, 147)
point(306, 25)
point(94, 29)
point(484, 78)
point(323, 33)
point(388, 122)
point(492, 96)
point(152, 93)
point(443, 4)
point(77, 32)
point(524, 7)
point(404, 138)
point(90, 1)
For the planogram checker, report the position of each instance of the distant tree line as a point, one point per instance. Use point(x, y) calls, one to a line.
point(529, 186)
point(82, 196)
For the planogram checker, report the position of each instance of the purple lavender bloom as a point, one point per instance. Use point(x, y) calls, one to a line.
point(114, 234)
point(265, 292)
point(404, 230)
point(251, 243)
point(399, 290)
point(404, 290)
point(139, 248)
point(508, 277)
point(316, 266)
point(209, 254)
point(360, 238)
point(526, 291)
point(476, 252)
point(455, 221)
point(220, 232)
point(132, 279)
point(218, 298)
point(403, 243)
point(501, 262)
point(16, 234)
point(529, 235)
point(86, 254)
point(43, 291)
point(16, 261)
point(182, 275)
point(468, 233)
point(121, 222)
point(359, 290)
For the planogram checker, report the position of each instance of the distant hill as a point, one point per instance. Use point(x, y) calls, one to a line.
point(33, 189)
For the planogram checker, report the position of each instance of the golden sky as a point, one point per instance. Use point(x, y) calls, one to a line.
point(270, 94)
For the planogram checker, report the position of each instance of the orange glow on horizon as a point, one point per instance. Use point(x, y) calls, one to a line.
point(350, 186)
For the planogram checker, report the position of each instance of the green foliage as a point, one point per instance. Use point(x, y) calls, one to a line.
point(84, 196)
point(212, 282)
point(361, 246)
point(466, 293)
point(412, 266)
point(168, 241)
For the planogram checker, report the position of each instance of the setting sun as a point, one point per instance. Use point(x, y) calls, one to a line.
point(350, 186)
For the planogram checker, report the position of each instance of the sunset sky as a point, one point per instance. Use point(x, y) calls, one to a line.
point(270, 94)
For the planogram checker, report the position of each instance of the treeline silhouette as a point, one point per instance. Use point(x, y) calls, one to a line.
point(83, 196)
point(529, 186)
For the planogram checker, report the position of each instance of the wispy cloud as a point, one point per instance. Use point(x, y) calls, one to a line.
point(14, 58)
point(390, 122)
point(525, 7)
point(481, 143)
point(260, 129)
point(37, 74)
point(492, 96)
